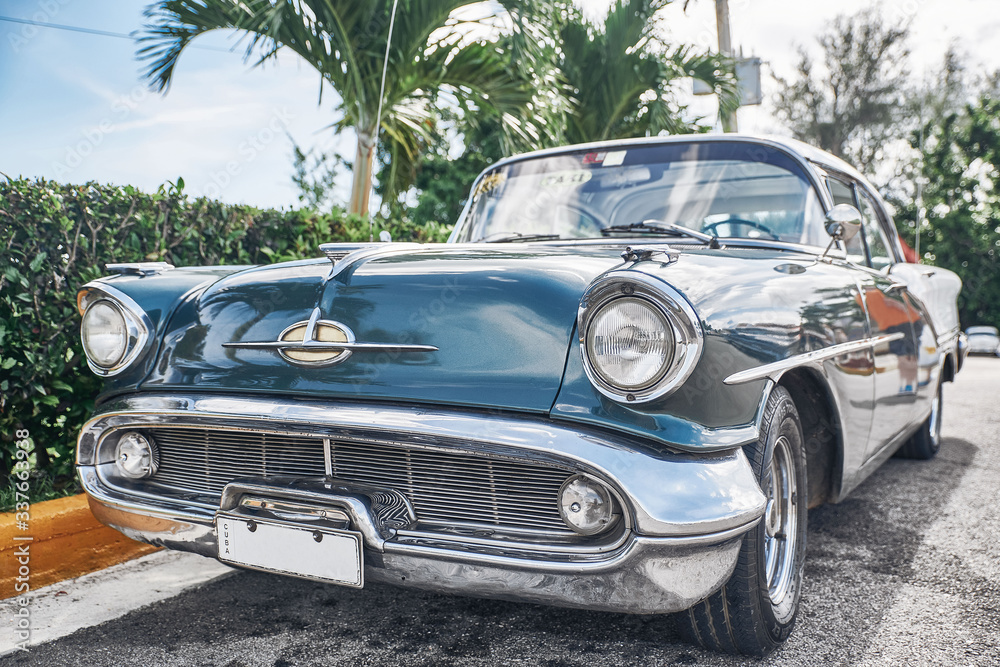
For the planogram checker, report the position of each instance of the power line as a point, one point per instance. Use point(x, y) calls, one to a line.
point(92, 31)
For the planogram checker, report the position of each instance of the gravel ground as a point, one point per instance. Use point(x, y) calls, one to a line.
point(905, 571)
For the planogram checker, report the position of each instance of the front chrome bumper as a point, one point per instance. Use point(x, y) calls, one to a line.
point(687, 513)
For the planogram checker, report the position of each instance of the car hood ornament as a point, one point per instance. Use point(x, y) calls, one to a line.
point(316, 342)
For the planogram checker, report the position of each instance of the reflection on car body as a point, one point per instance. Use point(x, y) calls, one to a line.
point(621, 386)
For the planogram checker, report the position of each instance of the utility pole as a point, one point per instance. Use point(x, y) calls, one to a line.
point(725, 48)
point(921, 213)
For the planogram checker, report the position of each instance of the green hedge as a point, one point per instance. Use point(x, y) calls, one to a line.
point(54, 238)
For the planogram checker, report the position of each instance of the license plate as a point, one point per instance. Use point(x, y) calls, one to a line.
point(327, 555)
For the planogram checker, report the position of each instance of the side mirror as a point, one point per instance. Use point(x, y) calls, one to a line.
point(385, 237)
point(843, 222)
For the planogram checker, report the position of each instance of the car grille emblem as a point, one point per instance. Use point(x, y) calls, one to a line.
point(315, 342)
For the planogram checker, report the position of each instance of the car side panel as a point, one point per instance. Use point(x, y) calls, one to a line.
point(895, 379)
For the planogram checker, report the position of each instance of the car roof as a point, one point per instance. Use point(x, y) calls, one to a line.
point(982, 330)
point(800, 149)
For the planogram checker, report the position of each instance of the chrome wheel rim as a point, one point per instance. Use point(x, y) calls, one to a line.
point(781, 520)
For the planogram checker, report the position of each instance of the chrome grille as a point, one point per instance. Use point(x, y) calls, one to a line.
point(442, 486)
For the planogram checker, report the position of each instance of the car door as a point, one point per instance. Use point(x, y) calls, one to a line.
point(899, 378)
point(856, 384)
point(891, 313)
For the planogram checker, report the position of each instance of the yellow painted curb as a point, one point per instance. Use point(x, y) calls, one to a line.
point(66, 541)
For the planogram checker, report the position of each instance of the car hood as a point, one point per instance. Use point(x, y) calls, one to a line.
point(501, 318)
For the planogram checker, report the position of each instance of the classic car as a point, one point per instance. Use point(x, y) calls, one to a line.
point(619, 386)
point(983, 340)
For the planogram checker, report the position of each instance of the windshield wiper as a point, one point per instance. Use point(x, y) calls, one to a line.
point(517, 237)
point(662, 227)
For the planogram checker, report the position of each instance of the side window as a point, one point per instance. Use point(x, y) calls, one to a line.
point(878, 247)
point(843, 193)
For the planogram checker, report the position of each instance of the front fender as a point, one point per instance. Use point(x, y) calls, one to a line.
point(157, 296)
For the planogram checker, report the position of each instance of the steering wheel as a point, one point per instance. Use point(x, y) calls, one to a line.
point(587, 223)
point(711, 227)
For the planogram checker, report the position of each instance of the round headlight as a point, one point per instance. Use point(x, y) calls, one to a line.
point(104, 334)
point(630, 344)
point(136, 456)
point(639, 337)
point(587, 506)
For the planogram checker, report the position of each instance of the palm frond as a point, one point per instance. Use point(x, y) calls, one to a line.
point(172, 25)
point(625, 79)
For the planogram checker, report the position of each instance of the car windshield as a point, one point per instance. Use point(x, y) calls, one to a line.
point(981, 331)
point(724, 189)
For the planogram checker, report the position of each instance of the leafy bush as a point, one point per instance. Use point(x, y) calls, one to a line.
point(54, 238)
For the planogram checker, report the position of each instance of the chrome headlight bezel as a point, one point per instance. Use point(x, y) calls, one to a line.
point(676, 312)
point(138, 326)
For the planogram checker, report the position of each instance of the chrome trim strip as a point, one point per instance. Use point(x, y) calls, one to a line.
point(310, 331)
point(614, 562)
point(499, 541)
point(591, 554)
point(309, 344)
point(327, 457)
point(318, 346)
point(140, 269)
point(774, 370)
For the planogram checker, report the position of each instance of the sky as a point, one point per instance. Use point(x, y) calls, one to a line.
point(74, 107)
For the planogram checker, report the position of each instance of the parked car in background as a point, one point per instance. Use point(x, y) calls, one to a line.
point(983, 340)
point(621, 385)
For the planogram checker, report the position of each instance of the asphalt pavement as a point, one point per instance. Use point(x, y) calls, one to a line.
point(906, 571)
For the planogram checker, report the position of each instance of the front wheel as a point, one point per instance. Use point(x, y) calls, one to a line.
point(755, 611)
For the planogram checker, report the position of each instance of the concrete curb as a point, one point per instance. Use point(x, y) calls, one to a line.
point(82, 602)
point(61, 540)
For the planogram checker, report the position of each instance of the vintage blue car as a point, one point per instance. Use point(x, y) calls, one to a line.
point(619, 386)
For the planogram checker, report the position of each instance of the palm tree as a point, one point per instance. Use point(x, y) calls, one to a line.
point(345, 41)
point(623, 77)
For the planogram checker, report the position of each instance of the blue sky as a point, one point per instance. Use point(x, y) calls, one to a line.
point(74, 107)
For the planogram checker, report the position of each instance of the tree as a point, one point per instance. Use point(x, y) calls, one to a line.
point(443, 182)
point(929, 103)
point(961, 165)
point(345, 41)
point(622, 82)
point(851, 105)
point(315, 176)
point(623, 77)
